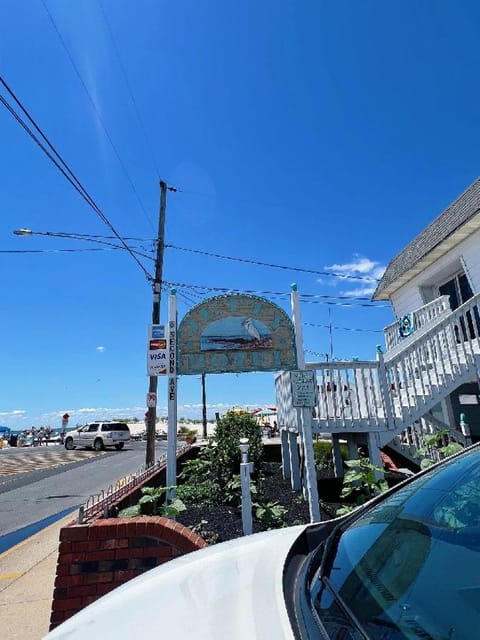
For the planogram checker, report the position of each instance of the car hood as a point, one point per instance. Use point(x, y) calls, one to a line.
point(231, 590)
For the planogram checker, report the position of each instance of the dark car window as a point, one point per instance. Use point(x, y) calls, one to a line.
point(92, 427)
point(115, 426)
point(409, 567)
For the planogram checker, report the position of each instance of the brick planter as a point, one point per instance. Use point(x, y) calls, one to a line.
point(95, 558)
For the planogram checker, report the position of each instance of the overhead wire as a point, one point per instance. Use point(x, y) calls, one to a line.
point(273, 294)
point(129, 89)
point(55, 250)
point(62, 166)
point(327, 326)
point(98, 114)
point(272, 265)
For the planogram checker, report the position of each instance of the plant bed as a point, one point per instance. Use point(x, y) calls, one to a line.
point(221, 522)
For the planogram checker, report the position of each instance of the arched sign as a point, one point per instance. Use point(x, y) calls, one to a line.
point(236, 333)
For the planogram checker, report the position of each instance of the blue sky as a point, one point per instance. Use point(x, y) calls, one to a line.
point(322, 135)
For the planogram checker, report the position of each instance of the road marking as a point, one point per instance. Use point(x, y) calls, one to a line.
point(68, 518)
point(13, 464)
point(10, 576)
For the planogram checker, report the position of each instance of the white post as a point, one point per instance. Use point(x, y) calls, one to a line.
point(285, 454)
point(374, 453)
point(385, 389)
point(246, 468)
point(352, 447)
point(297, 324)
point(294, 460)
point(337, 456)
point(306, 418)
point(172, 392)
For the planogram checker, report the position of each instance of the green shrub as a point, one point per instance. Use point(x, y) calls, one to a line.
point(437, 441)
point(205, 493)
point(361, 482)
point(232, 493)
point(228, 432)
point(323, 454)
point(270, 514)
point(152, 503)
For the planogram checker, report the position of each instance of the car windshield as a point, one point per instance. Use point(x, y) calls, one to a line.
point(409, 567)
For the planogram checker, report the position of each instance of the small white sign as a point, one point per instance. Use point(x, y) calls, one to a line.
point(303, 388)
point(151, 399)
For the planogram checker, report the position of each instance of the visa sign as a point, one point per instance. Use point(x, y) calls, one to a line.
point(156, 350)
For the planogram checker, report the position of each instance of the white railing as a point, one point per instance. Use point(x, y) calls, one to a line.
point(287, 417)
point(422, 317)
point(399, 388)
point(427, 370)
point(349, 397)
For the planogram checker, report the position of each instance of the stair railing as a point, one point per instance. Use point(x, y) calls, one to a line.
point(421, 317)
point(425, 371)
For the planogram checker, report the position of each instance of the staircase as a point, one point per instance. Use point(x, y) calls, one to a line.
point(415, 438)
point(393, 394)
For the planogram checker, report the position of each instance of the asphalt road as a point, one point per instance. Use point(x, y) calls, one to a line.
point(40, 482)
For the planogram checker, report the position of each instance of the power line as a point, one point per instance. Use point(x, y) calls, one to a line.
point(98, 114)
point(273, 294)
point(54, 250)
point(327, 326)
point(272, 265)
point(129, 88)
point(65, 170)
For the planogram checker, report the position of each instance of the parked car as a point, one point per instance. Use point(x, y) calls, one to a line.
point(99, 435)
point(406, 566)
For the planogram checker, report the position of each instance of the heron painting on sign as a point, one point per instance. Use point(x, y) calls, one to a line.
point(236, 333)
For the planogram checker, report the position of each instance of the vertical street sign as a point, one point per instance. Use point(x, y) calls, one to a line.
point(172, 391)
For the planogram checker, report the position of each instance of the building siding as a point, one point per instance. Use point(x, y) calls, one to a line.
point(409, 297)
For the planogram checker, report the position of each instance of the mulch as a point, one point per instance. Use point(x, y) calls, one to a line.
point(223, 522)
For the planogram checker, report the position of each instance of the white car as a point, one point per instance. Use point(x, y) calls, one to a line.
point(99, 435)
point(405, 566)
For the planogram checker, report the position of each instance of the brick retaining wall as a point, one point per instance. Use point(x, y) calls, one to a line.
point(95, 558)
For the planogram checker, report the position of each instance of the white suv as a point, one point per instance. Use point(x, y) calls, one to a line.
point(99, 435)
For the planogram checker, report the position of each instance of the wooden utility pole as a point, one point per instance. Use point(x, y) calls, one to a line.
point(157, 296)
point(204, 407)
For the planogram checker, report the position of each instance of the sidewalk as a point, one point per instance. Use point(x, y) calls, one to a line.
point(27, 575)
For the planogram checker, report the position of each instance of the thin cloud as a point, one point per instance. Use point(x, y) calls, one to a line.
point(359, 292)
point(100, 349)
point(15, 413)
point(361, 270)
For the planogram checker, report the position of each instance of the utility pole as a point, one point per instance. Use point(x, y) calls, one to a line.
point(204, 407)
point(157, 296)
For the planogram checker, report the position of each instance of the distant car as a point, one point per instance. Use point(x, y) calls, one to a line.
point(98, 435)
point(405, 566)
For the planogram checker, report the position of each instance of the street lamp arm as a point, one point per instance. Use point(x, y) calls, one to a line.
point(77, 236)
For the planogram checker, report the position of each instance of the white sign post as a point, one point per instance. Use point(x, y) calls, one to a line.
point(302, 386)
point(172, 391)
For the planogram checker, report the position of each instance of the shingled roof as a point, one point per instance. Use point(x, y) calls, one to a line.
point(455, 216)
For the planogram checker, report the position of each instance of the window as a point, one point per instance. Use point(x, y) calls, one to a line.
point(115, 426)
point(459, 290)
point(92, 427)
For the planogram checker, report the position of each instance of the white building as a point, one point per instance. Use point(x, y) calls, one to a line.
point(427, 376)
